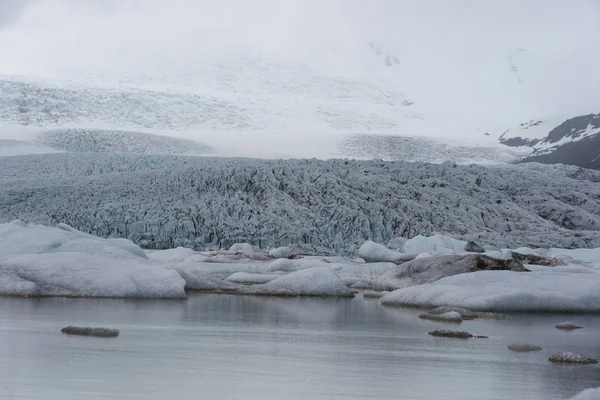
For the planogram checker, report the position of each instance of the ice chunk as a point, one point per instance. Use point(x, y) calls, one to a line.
point(434, 244)
point(587, 255)
point(568, 326)
point(37, 260)
point(373, 252)
point(286, 265)
point(247, 278)
point(87, 331)
point(523, 347)
point(244, 248)
point(571, 358)
point(466, 314)
point(588, 394)
point(433, 268)
point(80, 274)
point(473, 247)
point(450, 316)
point(545, 291)
point(320, 281)
point(171, 255)
point(455, 334)
point(200, 279)
point(352, 273)
point(281, 252)
point(371, 294)
point(361, 285)
point(18, 238)
point(397, 243)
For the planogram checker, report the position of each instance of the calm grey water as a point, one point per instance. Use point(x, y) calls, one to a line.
point(233, 347)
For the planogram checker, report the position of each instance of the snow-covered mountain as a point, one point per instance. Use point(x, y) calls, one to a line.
point(298, 78)
point(575, 141)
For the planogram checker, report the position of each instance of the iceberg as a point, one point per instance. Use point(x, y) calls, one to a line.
point(430, 269)
point(281, 252)
point(37, 260)
point(450, 316)
point(320, 281)
point(436, 244)
point(86, 275)
point(588, 394)
point(538, 291)
point(248, 278)
point(374, 252)
point(524, 347)
point(571, 358)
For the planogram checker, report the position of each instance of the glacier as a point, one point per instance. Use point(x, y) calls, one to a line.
point(313, 206)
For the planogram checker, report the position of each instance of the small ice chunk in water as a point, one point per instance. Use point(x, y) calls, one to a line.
point(371, 294)
point(571, 358)
point(523, 347)
point(450, 316)
point(588, 394)
point(568, 326)
point(87, 331)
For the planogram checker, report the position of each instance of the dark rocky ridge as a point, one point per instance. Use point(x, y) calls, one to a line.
point(581, 151)
point(584, 153)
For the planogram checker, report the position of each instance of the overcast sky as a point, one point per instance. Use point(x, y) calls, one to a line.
point(447, 48)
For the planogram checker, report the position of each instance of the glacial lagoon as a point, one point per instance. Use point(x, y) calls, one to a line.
point(215, 346)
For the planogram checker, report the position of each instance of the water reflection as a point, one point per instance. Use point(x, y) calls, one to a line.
point(220, 346)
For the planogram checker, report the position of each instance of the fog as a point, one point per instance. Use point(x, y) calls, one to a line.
point(505, 59)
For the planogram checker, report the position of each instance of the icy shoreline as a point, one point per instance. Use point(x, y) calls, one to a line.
point(37, 260)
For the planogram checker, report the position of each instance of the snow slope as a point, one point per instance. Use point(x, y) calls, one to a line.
point(214, 72)
point(574, 140)
point(327, 206)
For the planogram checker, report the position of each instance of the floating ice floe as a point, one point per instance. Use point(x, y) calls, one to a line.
point(571, 358)
point(568, 326)
point(524, 347)
point(37, 260)
point(455, 334)
point(450, 316)
point(89, 331)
